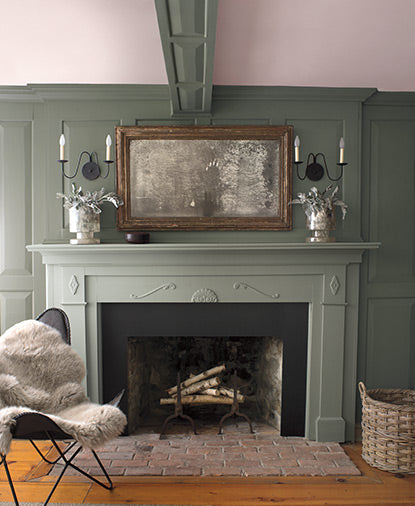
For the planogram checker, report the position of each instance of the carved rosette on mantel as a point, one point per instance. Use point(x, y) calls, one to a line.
point(204, 295)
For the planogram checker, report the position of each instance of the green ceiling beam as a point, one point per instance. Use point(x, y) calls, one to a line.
point(188, 32)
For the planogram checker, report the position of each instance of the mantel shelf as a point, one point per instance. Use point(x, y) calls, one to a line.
point(209, 253)
point(280, 246)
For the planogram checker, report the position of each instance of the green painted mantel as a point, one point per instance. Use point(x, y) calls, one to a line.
point(326, 276)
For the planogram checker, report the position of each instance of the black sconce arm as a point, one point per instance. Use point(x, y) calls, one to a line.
point(315, 171)
point(90, 169)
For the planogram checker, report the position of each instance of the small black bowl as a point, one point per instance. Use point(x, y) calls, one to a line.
point(137, 237)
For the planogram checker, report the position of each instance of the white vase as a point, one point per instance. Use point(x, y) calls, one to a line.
point(84, 222)
point(321, 223)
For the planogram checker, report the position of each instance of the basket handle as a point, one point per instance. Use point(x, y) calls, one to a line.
point(362, 389)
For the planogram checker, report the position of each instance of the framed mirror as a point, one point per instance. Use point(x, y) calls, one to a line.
point(204, 177)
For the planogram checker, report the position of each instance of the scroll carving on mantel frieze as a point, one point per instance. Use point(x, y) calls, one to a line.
point(238, 285)
point(73, 284)
point(204, 295)
point(166, 286)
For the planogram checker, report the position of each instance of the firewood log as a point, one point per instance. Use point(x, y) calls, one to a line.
point(219, 392)
point(198, 377)
point(211, 391)
point(201, 385)
point(229, 392)
point(198, 399)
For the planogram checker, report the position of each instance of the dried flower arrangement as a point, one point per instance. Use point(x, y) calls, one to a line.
point(315, 202)
point(90, 200)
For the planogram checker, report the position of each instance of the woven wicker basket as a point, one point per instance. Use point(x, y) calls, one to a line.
point(388, 429)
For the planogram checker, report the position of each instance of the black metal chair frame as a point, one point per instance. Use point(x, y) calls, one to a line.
point(36, 426)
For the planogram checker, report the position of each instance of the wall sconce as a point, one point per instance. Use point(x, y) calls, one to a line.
point(314, 170)
point(91, 169)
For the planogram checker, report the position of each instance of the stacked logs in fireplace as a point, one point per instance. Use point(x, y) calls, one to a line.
point(204, 388)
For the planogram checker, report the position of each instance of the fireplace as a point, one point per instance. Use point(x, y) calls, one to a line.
point(325, 277)
point(149, 343)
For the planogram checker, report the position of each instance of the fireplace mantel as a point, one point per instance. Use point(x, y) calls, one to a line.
point(79, 278)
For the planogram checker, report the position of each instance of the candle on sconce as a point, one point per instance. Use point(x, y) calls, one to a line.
point(341, 146)
point(297, 149)
point(62, 147)
point(108, 142)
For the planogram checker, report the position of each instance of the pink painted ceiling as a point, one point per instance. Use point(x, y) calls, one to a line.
point(348, 43)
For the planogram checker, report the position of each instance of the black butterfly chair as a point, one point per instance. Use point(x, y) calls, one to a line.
point(36, 426)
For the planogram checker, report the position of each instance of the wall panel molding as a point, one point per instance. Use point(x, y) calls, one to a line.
point(16, 281)
point(15, 306)
point(392, 200)
point(390, 346)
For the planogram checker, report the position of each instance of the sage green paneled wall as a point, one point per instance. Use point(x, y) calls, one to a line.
point(16, 273)
point(387, 325)
point(381, 206)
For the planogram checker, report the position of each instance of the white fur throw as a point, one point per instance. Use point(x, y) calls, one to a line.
point(39, 372)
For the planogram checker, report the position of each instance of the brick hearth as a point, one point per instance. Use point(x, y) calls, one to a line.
point(235, 453)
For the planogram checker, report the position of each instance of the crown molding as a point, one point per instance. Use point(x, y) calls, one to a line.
point(38, 93)
point(18, 94)
point(292, 93)
point(101, 91)
point(393, 98)
point(46, 92)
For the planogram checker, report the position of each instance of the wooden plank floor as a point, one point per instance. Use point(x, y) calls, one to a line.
point(372, 488)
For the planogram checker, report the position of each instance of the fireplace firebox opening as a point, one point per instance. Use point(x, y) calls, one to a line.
point(254, 362)
point(145, 345)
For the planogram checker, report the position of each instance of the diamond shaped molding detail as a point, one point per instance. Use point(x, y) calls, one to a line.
point(334, 285)
point(73, 285)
